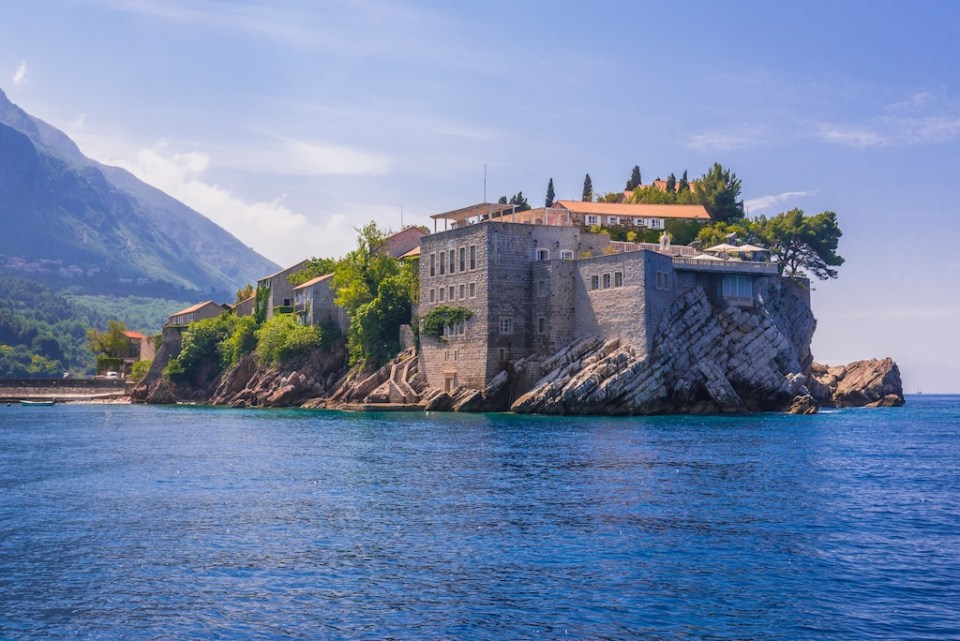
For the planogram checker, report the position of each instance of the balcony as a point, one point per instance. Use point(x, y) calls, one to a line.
point(732, 266)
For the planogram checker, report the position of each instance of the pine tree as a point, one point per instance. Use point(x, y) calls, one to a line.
point(635, 180)
point(520, 201)
point(587, 190)
point(551, 196)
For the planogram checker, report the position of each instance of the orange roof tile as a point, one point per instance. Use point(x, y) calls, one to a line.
point(314, 281)
point(692, 212)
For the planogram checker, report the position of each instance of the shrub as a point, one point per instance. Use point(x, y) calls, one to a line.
point(139, 370)
point(200, 347)
point(282, 336)
point(241, 342)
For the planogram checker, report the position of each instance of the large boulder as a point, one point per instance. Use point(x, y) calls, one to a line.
point(874, 383)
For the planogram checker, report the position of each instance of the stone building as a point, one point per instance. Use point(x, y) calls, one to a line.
point(194, 313)
point(532, 289)
point(313, 304)
point(279, 298)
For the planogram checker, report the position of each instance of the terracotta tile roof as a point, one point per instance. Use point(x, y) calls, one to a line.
point(314, 281)
point(413, 253)
point(134, 335)
point(193, 308)
point(692, 212)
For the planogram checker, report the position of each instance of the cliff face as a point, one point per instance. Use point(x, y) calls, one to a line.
point(704, 360)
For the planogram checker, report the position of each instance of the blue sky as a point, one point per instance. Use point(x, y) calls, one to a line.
point(292, 123)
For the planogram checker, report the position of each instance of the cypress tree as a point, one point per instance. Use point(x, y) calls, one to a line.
point(671, 183)
point(683, 185)
point(635, 180)
point(550, 194)
point(587, 189)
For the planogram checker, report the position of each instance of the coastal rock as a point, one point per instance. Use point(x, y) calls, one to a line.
point(803, 405)
point(867, 383)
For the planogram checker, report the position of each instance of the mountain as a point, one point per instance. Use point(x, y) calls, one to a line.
point(67, 217)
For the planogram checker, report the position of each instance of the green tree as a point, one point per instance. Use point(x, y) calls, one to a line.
point(315, 267)
point(520, 202)
point(244, 293)
point(802, 244)
point(683, 184)
point(587, 189)
point(671, 184)
point(635, 180)
point(282, 337)
point(717, 233)
point(112, 343)
point(551, 195)
point(718, 191)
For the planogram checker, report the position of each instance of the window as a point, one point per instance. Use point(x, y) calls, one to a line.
point(541, 288)
point(453, 258)
point(433, 295)
point(566, 254)
point(433, 264)
point(463, 260)
point(506, 325)
point(473, 256)
point(443, 264)
point(663, 280)
point(594, 282)
point(473, 290)
point(442, 290)
point(613, 220)
point(446, 355)
point(640, 222)
point(542, 325)
point(450, 294)
point(502, 353)
point(462, 289)
point(593, 220)
point(543, 254)
point(654, 223)
point(736, 286)
point(618, 279)
point(606, 281)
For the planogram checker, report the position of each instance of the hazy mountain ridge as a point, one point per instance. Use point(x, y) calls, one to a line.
point(66, 214)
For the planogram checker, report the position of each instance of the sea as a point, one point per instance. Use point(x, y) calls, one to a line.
point(181, 522)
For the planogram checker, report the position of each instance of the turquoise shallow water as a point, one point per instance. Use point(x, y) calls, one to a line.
point(133, 522)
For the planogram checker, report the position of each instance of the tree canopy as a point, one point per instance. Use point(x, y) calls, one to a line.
point(802, 244)
point(551, 195)
point(635, 180)
point(718, 191)
point(112, 343)
point(587, 189)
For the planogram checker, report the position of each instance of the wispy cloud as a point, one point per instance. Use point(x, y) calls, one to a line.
point(735, 138)
point(850, 135)
point(924, 118)
point(20, 75)
point(763, 202)
point(271, 227)
point(316, 158)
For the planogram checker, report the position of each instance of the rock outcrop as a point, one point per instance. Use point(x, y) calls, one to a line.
point(869, 383)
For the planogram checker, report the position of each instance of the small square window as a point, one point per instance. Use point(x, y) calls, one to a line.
point(613, 220)
point(566, 254)
point(593, 220)
point(543, 254)
point(506, 325)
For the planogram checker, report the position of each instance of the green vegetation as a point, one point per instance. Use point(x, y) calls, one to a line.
point(587, 195)
point(146, 315)
point(42, 334)
point(241, 341)
point(139, 370)
point(803, 245)
point(315, 267)
point(282, 337)
point(244, 293)
point(377, 292)
point(518, 200)
point(551, 195)
point(435, 320)
point(718, 191)
point(201, 357)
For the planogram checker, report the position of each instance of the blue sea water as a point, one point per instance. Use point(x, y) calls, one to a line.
point(135, 522)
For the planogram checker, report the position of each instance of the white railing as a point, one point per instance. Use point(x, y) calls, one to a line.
point(718, 265)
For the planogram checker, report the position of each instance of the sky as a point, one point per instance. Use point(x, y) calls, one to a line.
point(291, 123)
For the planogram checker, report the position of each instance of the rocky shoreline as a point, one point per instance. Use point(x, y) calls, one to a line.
point(706, 360)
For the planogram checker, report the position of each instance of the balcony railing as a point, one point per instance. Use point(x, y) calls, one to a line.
point(727, 266)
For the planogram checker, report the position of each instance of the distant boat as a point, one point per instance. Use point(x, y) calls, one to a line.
point(37, 402)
